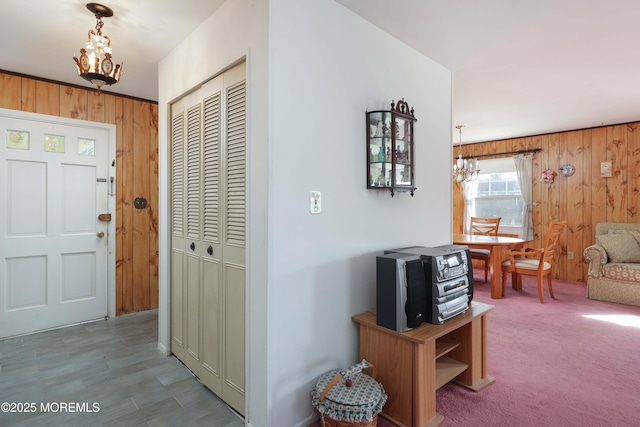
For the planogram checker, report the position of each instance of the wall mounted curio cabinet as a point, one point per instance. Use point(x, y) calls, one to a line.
point(390, 148)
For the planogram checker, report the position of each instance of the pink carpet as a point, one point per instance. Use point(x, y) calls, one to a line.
point(568, 362)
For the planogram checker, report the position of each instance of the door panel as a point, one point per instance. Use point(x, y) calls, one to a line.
point(193, 305)
point(53, 264)
point(211, 320)
point(234, 192)
point(78, 199)
point(78, 277)
point(26, 283)
point(234, 332)
point(26, 198)
point(177, 303)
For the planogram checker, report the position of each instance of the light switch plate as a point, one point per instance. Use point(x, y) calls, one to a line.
point(315, 202)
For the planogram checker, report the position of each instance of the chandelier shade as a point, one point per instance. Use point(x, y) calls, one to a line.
point(465, 169)
point(95, 63)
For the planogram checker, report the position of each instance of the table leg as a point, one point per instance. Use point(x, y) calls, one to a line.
point(496, 272)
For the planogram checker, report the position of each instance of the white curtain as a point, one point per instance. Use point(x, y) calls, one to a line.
point(468, 191)
point(525, 180)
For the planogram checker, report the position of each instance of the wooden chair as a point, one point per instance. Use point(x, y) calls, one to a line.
point(535, 262)
point(485, 227)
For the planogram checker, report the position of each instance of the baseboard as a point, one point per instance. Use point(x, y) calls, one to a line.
point(308, 421)
point(164, 350)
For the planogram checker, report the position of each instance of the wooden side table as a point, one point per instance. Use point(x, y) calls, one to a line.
point(412, 365)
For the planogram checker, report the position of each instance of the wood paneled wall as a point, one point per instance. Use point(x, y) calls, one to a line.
point(136, 173)
point(583, 199)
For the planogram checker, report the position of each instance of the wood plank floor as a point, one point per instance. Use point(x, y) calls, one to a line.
point(107, 373)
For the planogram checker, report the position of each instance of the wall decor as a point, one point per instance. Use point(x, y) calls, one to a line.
point(390, 148)
point(548, 176)
point(606, 169)
point(567, 170)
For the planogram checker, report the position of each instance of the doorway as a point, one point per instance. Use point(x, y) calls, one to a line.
point(208, 179)
point(57, 261)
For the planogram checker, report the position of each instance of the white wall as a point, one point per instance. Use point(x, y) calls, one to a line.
point(314, 68)
point(327, 67)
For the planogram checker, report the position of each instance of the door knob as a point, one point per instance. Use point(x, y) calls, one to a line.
point(100, 234)
point(210, 250)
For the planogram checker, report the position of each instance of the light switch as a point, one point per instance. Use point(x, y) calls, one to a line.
point(315, 202)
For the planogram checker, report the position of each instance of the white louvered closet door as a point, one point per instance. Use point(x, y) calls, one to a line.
point(208, 234)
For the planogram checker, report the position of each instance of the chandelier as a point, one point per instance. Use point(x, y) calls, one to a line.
point(465, 169)
point(95, 64)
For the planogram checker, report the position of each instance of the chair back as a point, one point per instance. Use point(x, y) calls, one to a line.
point(551, 240)
point(485, 226)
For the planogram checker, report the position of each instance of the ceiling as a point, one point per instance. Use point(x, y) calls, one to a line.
point(41, 37)
point(520, 67)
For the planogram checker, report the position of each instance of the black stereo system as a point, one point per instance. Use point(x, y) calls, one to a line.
point(422, 284)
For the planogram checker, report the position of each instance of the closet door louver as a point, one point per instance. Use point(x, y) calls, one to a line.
point(236, 164)
point(177, 174)
point(211, 168)
point(193, 173)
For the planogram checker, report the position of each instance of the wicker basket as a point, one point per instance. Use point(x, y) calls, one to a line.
point(349, 398)
point(327, 421)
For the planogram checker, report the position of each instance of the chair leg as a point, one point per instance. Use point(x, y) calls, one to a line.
point(504, 281)
point(550, 286)
point(486, 269)
point(541, 289)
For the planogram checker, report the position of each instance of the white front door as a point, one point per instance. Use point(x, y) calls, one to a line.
point(53, 248)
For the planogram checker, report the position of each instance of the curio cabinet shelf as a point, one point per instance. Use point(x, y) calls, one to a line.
point(390, 148)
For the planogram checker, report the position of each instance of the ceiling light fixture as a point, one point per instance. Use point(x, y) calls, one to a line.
point(465, 169)
point(95, 64)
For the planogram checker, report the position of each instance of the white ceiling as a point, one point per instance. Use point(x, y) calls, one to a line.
point(524, 67)
point(520, 67)
point(40, 37)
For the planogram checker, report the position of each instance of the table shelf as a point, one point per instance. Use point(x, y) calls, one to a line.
point(447, 369)
point(444, 345)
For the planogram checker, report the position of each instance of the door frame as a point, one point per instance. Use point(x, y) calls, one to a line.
point(111, 187)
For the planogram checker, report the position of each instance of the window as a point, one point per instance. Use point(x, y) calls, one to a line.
point(496, 193)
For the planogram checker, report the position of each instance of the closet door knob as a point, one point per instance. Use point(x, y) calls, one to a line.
point(210, 250)
point(193, 246)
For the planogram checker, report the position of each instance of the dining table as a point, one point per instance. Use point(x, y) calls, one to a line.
point(495, 245)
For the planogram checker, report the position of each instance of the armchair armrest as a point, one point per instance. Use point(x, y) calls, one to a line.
point(517, 258)
point(597, 257)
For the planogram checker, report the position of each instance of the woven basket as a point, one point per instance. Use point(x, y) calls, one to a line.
point(353, 399)
point(330, 422)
